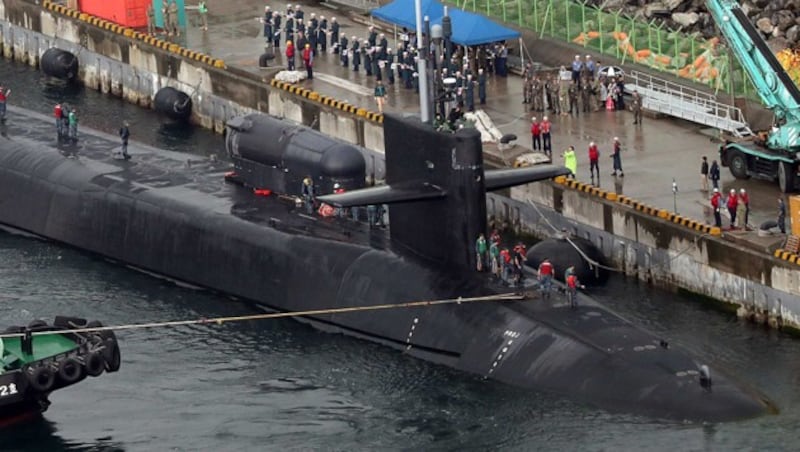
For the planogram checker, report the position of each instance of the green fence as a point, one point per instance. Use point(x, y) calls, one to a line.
point(647, 43)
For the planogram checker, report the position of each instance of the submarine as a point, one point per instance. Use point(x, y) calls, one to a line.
point(190, 223)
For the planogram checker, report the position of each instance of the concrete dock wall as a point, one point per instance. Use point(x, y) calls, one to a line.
point(128, 64)
point(653, 245)
point(759, 286)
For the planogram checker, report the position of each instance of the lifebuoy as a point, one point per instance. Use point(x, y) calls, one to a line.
point(94, 364)
point(326, 210)
point(70, 370)
point(42, 378)
point(112, 356)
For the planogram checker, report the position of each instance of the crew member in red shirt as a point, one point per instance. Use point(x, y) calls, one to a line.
point(536, 134)
point(744, 199)
point(58, 112)
point(545, 277)
point(716, 201)
point(547, 146)
point(594, 159)
point(289, 55)
point(733, 202)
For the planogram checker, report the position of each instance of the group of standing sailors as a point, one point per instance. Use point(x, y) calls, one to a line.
point(375, 212)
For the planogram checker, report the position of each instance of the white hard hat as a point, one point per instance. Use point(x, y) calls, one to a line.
point(742, 190)
point(336, 185)
point(716, 190)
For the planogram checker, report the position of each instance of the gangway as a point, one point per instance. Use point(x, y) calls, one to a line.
point(676, 100)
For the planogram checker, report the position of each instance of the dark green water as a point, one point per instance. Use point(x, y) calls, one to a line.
point(280, 385)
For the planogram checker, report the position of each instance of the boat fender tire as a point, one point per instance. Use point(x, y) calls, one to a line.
point(94, 363)
point(42, 379)
point(69, 322)
point(36, 324)
point(113, 358)
point(14, 329)
point(107, 334)
point(70, 370)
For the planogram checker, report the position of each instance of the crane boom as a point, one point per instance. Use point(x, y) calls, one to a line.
point(776, 89)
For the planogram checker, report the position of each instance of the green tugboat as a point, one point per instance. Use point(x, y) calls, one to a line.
point(35, 363)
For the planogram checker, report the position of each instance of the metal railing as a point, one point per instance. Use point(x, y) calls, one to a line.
point(631, 40)
point(683, 102)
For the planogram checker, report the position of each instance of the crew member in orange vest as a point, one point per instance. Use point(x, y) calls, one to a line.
point(572, 290)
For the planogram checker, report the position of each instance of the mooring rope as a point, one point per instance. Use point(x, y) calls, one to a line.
point(275, 315)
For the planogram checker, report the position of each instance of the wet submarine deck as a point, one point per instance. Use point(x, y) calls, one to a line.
point(173, 214)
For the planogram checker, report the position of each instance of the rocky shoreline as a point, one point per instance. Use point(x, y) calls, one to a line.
point(777, 20)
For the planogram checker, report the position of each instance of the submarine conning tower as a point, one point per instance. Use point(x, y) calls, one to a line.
point(277, 155)
point(436, 185)
point(449, 164)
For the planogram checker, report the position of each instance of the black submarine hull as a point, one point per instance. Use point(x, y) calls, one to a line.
point(210, 239)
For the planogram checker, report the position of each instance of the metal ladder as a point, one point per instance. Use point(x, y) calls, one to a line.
point(676, 100)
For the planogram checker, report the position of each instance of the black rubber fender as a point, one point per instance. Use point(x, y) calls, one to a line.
point(173, 103)
point(112, 356)
point(94, 363)
point(42, 378)
point(767, 225)
point(59, 64)
point(70, 371)
point(263, 60)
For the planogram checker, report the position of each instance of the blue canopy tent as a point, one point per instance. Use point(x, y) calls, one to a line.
point(471, 29)
point(403, 13)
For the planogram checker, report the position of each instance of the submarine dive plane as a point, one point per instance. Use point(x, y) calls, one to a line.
point(160, 215)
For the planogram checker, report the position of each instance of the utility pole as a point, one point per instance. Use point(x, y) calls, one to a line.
point(422, 68)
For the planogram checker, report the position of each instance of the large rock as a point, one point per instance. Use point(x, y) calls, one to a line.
point(764, 25)
point(783, 19)
point(672, 5)
point(685, 19)
point(793, 33)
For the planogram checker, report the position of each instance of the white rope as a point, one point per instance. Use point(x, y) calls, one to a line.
point(275, 315)
point(592, 262)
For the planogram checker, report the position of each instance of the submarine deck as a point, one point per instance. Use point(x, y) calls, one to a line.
point(193, 179)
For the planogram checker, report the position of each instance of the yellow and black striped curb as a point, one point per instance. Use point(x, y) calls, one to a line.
point(586, 188)
point(133, 34)
point(787, 256)
point(327, 101)
point(639, 206)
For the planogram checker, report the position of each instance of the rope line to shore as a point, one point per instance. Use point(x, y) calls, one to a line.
point(276, 315)
point(592, 262)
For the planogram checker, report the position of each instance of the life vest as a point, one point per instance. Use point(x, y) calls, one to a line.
point(535, 129)
point(733, 201)
point(715, 200)
point(546, 269)
point(290, 51)
point(744, 198)
point(506, 256)
point(326, 210)
point(594, 153)
point(545, 126)
point(58, 112)
point(2, 96)
point(572, 281)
